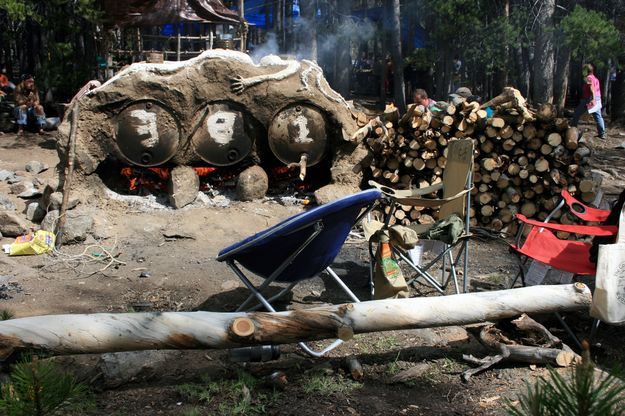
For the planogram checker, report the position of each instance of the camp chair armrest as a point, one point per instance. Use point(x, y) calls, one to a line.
point(431, 202)
point(597, 230)
point(582, 211)
point(406, 193)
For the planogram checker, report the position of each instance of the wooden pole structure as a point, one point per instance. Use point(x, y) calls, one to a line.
point(105, 332)
point(71, 154)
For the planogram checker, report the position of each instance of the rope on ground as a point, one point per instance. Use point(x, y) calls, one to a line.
point(91, 254)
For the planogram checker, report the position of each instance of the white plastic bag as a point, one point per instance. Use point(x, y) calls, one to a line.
point(608, 303)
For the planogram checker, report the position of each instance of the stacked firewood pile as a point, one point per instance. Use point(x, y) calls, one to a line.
point(524, 158)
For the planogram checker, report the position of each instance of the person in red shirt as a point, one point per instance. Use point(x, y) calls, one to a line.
point(591, 100)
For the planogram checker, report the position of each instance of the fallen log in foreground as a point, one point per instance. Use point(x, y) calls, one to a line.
point(105, 332)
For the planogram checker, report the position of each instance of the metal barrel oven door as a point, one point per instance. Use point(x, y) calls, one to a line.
point(147, 133)
point(297, 135)
point(225, 135)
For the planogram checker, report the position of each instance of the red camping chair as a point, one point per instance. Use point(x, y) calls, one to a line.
point(571, 256)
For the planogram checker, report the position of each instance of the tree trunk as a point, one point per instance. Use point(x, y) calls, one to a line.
point(343, 58)
point(99, 333)
point(268, 8)
point(618, 97)
point(278, 22)
point(308, 11)
point(399, 92)
point(543, 65)
point(561, 77)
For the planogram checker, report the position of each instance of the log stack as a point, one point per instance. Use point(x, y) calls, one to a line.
point(524, 158)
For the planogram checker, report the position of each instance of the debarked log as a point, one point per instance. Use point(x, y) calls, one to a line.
point(105, 332)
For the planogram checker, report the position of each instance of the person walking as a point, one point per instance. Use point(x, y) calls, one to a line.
point(591, 100)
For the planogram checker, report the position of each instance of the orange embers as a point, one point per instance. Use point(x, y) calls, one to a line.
point(155, 178)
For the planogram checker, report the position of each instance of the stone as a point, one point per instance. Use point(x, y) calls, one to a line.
point(15, 179)
point(55, 200)
point(18, 188)
point(12, 225)
point(35, 167)
point(6, 174)
point(183, 186)
point(30, 193)
point(6, 203)
point(35, 212)
point(333, 192)
point(49, 221)
point(252, 184)
point(77, 225)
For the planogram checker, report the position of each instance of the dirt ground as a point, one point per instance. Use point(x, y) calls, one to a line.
point(166, 262)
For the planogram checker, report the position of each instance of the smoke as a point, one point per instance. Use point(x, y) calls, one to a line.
point(353, 30)
point(270, 47)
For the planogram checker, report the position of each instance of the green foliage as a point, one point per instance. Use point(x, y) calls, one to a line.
point(420, 59)
point(236, 397)
point(6, 314)
point(17, 10)
point(583, 393)
point(325, 384)
point(39, 388)
point(591, 35)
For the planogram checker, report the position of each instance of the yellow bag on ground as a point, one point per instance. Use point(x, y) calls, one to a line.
point(38, 243)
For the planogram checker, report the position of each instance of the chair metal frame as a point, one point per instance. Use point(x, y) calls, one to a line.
point(316, 227)
point(456, 186)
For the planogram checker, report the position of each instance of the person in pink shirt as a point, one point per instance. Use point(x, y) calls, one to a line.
point(421, 98)
point(591, 100)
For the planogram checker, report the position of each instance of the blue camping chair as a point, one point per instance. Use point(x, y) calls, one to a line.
point(299, 248)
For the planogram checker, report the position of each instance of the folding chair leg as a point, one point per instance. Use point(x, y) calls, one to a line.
point(569, 331)
point(452, 271)
point(465, 267)
point(342, 284)
point(593, 329)
point(422, 273)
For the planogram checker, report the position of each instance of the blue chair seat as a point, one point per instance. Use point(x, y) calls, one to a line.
point(263, 253)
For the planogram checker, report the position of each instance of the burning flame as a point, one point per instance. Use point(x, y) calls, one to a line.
point(145, 176)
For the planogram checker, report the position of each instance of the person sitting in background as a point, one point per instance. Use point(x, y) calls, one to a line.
point(27, 104)
point(421, 98)
point(6, 86)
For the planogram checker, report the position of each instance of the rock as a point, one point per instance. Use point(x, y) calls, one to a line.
point(49, 188)
point(30, 193)
point(18, 188)
point(415, 372)
point(6, 203)
point(6, 174)
point(50, 220)
point(183, 186)
point(252, 184)
point(77, 225)
point(35, 213)
point(15, 179)
point(12, 225)
point(55, 200)
point(333, 192)
point(35, 167)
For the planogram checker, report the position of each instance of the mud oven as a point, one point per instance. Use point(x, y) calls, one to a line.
point(218, 112)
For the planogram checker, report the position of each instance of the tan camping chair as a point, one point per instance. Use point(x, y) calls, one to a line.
point(455, 188)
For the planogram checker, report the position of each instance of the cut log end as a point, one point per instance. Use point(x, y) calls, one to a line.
point(243, 327)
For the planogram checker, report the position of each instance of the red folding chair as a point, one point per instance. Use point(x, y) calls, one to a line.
point(571, 256)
